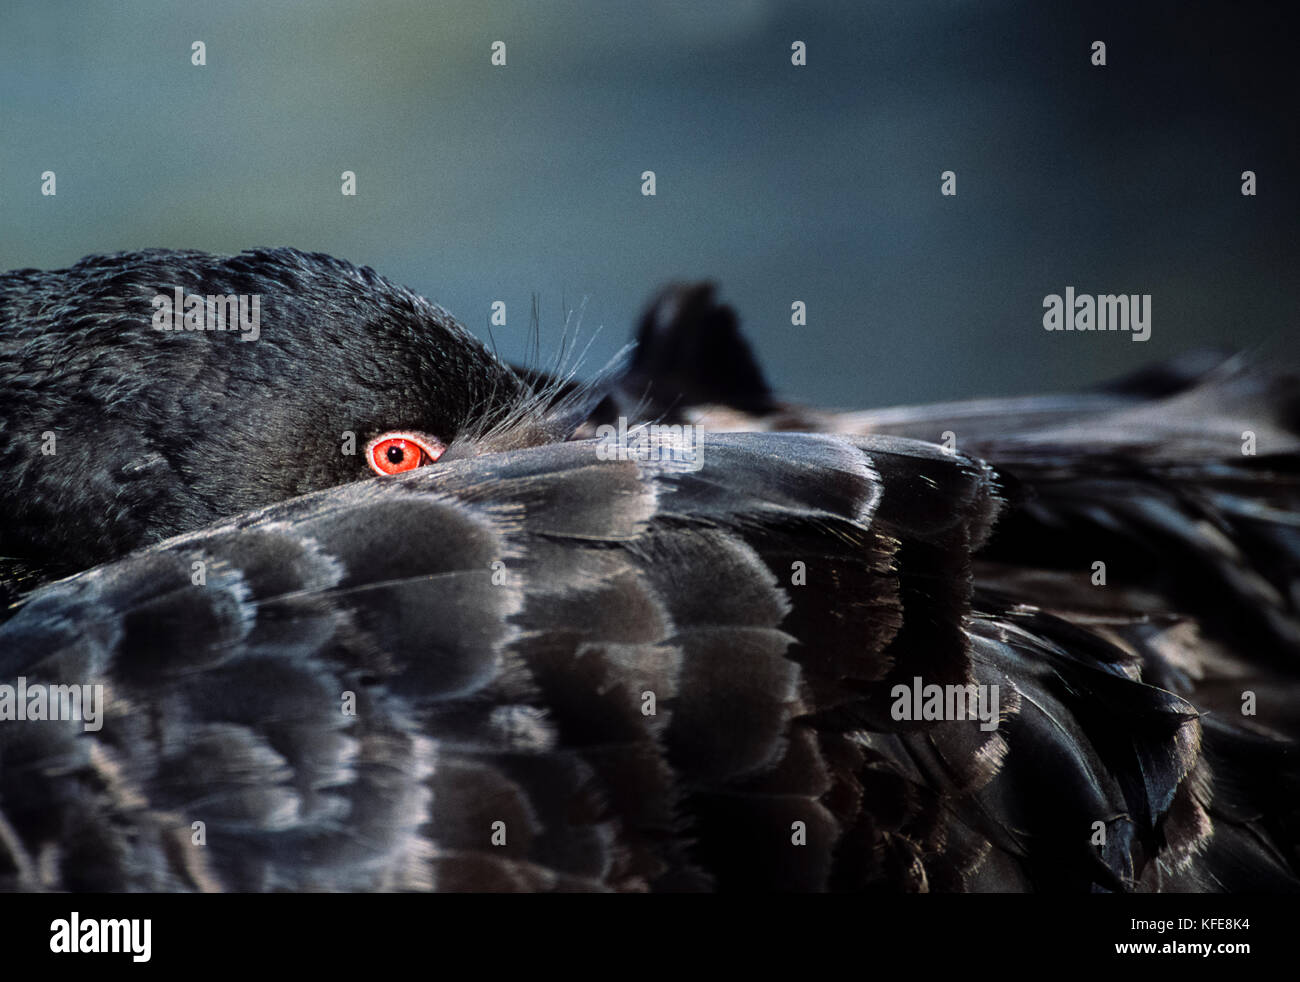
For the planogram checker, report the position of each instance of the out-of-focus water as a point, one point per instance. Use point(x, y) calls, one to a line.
point(820, 183)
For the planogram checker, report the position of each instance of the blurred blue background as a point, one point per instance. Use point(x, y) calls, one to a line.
point(819, 183)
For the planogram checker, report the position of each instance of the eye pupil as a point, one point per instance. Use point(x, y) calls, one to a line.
point(395, 454)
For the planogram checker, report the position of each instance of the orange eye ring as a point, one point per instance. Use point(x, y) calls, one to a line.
point(400, 451)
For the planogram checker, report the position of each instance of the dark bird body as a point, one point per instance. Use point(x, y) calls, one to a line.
point(528, 667)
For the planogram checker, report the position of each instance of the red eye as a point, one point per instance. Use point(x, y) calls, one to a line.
point(395, 453)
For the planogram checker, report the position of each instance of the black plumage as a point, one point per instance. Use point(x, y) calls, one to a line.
point(656, 676)
point(160, 432)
